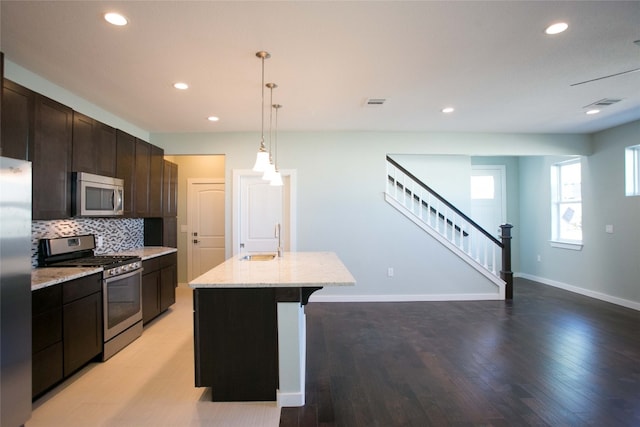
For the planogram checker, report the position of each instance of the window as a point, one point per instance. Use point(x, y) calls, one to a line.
point(632, 170)
point(482, 187)
point(566, 203)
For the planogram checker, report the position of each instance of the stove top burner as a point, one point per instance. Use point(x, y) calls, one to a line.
point(78, 251)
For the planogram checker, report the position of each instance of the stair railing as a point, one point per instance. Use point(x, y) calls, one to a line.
point(435, 214)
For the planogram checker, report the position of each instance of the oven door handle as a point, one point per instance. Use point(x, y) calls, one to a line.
point(124, 276)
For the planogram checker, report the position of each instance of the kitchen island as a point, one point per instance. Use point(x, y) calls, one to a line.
point(249, 324)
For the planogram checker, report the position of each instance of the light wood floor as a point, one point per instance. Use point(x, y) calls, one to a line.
point(149, 383)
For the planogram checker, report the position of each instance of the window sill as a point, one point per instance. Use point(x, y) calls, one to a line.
point(566, 245)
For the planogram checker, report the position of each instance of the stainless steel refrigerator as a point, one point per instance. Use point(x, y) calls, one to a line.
point(15, 292)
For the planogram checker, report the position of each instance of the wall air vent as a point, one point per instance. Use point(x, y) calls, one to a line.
point(375, 102)
point(604, 102)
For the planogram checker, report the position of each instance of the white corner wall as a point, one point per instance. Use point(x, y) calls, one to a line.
point(608, 266)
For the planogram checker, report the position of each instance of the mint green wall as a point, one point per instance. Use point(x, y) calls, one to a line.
point(608, 267)
point(341, 180)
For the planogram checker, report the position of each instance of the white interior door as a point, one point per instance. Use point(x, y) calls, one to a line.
point(259, 209)
point(488, 197)
point(206, 225)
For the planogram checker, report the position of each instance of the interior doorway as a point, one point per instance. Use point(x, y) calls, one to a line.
point(205, 226)
point(489, 197)
point(264, 216)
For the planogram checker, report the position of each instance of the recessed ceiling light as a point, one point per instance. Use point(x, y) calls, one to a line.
point(181, 86)
point(594, 111)
point(115, 19)
point(448, 110)
point(556, 28)
point(213, 118)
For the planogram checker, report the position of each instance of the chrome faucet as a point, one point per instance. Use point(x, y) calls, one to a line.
point(278, 234)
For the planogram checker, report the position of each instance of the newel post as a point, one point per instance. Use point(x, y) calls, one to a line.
point(506, 274)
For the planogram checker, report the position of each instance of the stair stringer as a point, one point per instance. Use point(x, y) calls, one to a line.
point(500, 284)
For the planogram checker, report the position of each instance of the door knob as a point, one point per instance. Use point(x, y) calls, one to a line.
point(196, 241)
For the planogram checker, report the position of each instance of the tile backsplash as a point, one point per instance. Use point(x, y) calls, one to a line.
point(112, 234)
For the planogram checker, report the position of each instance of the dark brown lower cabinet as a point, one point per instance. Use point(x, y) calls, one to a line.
point(159, 281)
point(67, 330)
point(236, 340)
point(82, 320)
point(46, 321)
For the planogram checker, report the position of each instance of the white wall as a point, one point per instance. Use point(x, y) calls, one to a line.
point(608, 267)
point(341, 179)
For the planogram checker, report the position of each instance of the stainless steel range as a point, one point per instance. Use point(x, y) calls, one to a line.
point(121, 285)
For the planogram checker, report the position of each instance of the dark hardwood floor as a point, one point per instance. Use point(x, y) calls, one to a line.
point(549, 358)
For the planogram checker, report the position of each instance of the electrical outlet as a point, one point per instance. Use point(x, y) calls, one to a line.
point(100, 241)
point(390, 272)
point(608, 228)
point(539, 258)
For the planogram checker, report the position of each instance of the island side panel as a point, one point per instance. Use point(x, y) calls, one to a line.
point(236, 343)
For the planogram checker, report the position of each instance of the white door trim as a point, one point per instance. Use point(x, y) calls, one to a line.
point(190, 182)
point(235, 207)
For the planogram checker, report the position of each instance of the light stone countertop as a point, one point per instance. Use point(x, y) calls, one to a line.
point(293, 269)
point(148, 252)
point(48, 276)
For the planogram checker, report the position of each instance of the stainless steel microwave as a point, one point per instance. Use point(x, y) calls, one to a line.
point(97, 195)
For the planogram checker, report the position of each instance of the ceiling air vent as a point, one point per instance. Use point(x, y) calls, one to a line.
point(375, 102)
point(604, 102)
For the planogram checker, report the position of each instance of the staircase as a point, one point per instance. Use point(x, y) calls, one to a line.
point(452, 228)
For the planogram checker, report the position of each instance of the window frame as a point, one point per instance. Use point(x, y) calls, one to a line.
point(557, 202)
point(632, 171)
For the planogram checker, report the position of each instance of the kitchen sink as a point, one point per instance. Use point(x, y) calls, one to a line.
point(258, 257)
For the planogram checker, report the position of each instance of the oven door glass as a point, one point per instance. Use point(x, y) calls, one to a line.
point(123, 302)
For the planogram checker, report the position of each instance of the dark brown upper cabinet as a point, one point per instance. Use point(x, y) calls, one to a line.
point(170, 189)
point(17, 121)
point(126, 167)
point(53, 129)
point(156, 169)
point(94, 146)
point(142, 167)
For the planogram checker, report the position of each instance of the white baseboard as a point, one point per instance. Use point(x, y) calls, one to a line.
point(586, 292)
point(405, 298)
point(289, 400)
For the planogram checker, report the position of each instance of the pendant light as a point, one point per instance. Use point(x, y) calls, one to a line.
point(262, 158)
point(270, 170)
point(276, 180)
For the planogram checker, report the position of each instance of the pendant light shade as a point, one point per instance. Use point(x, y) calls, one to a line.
point(276, 181)
point(262, 157)
point(262, 161)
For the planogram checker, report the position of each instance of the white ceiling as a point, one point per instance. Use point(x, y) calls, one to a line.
point(490, 60)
